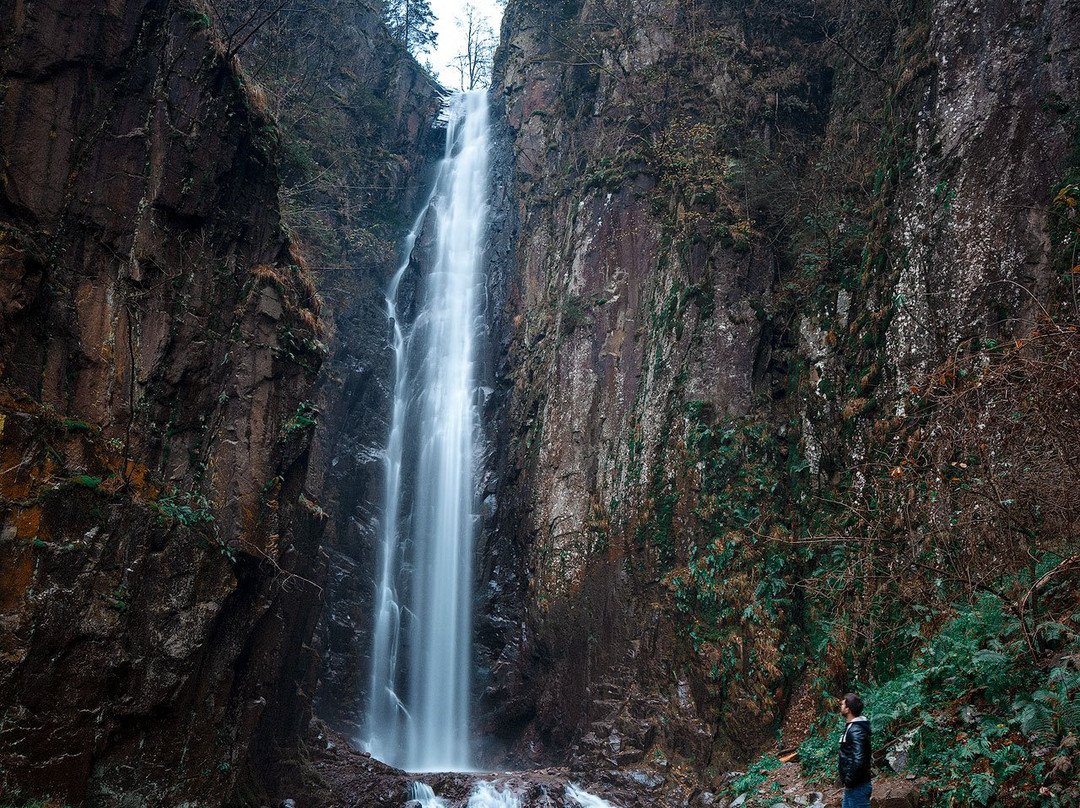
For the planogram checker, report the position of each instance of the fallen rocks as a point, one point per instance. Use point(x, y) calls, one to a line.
point(896, 793)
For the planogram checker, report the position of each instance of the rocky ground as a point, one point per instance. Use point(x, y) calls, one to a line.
point(786, 787)
point(334, 775)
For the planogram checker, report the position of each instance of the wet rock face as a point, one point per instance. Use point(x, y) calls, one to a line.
point(158, 341)
point(354, 177)
point(338, 775)
point(671, 168)
point(623, 309)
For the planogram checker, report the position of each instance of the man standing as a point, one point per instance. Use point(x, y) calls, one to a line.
point(855, 754)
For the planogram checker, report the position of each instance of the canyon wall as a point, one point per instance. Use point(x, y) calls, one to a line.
point(159, 342)
point(749, 231)
point(740, 253)
point(361, 133)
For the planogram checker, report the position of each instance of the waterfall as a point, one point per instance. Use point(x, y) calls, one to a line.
point(417, 715)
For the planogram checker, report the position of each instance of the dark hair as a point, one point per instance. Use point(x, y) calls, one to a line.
point(854, 703)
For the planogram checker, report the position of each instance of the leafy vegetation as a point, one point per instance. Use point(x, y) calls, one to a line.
point(734, 589)
point(344, 162)
point(305, 417)
point(20, 800)
point(187, 510)
point(977, 716)
point(756, 775)
point(942, 572)
point(412, 23)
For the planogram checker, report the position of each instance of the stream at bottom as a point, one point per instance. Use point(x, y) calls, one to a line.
point(339, 775)
point(488, 794)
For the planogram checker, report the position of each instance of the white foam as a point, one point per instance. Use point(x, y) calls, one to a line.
point(584, 798)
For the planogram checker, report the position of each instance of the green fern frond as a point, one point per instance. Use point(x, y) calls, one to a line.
point(987, 659)
point(1052, 631)
point(983, 788)
point(1069, 710)
point(1035, 717)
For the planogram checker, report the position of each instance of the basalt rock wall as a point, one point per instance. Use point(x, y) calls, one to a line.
point(361, 133)
point(159, 340)
point(747, 231)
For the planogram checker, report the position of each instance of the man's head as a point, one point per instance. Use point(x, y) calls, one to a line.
point(851, 706)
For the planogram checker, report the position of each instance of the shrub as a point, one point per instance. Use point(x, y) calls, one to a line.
point(983, 720)
point(188, 510)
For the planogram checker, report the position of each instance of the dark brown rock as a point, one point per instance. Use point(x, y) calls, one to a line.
point(645, 299)
point(896, 793)
point(158, 337)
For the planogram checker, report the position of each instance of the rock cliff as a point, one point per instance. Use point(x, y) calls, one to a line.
point(160, 339)
point(749, 231)
point(360, 132)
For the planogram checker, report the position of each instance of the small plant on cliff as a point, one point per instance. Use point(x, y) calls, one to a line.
point(87, 481)
point(572, 313)
point(300, 347)
point(189, 510)
point(1065, 230)
point(313, 507)
point(305, 417)
point(199, 19)
point(118, 599)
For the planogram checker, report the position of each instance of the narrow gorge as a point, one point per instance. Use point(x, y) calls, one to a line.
point(574, 442)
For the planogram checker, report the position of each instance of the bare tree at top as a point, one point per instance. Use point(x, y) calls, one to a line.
point(474, 64)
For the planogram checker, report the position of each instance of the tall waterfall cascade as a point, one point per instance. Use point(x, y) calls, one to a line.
point(417, 716)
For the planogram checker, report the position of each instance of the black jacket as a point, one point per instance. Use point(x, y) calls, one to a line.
point(855, 753)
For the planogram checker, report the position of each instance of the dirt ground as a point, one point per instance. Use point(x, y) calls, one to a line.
point(787, 785)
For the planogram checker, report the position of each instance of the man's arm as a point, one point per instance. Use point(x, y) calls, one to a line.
point(859, 733)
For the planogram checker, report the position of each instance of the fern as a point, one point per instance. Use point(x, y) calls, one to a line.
point(756, 775)
point(1070, 716)
point(1051, 714)
point(1065, 698)
point(975, 709)
point(994, 666)
point(1035, 718)
point(1052, 631)
point(983, 788)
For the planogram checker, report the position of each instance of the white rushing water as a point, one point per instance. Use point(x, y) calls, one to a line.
point(584, 798)
point(489, 795)
point(485, 795)
point(418, 709)
point(424, 796)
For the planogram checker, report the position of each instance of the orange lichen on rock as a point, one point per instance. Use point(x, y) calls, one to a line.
point(15, 482)
point(28, 523)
